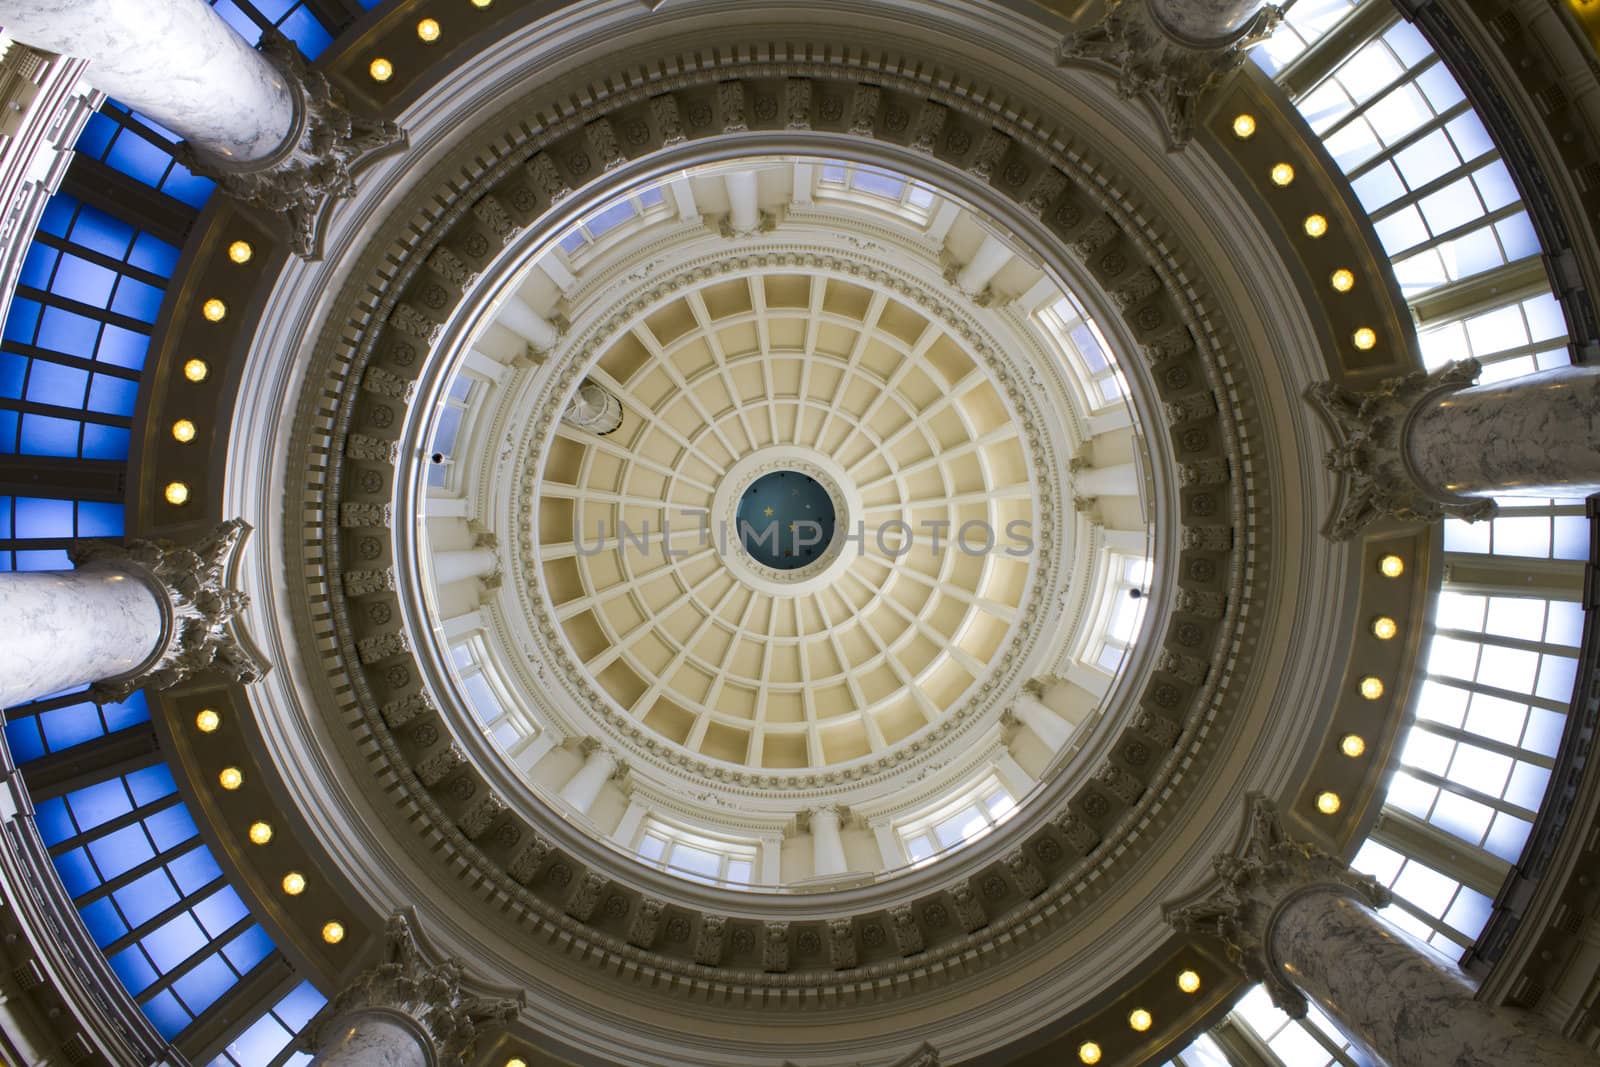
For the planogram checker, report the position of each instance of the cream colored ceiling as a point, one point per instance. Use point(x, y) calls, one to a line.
point(736, 672)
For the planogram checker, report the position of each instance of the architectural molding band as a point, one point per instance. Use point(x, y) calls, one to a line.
point(405, 1012)
point(267, 128)
point(1423, 446)
point(1301, 922)
point(144, 613)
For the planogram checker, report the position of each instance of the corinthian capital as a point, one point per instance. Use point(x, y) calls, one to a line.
point(1370, 428)
point(1252, 882)
point(1154, 60)
point(429, 993)
point(313, 166)
point(191, 586)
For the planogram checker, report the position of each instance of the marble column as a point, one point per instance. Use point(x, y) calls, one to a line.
point(985, 263)
point(266, 127)
point(144, 613)
point(1298, 920)
point(1172, 51)
point(827, 847)
point(744, 213)
point(594, 408)
point(583, 788)
point(1428, 445)
point(404, 1011)
point(460, 564)
point(1049, 727)
point(515, 315)
point(1120, 479)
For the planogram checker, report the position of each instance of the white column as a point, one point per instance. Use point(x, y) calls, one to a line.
point(174, 60)
point(516, 316)
point(583, 788)
point(827, 847)
point(369, 1038)
point(1121, 479)
point(458, 564)
point(771, 859)
point(65, 629)
point(985, 263)
point(891, 852)
point(1051, 728)
point(744, 213)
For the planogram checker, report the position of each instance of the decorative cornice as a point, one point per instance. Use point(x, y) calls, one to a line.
point(1371, 453)
point(198, 605)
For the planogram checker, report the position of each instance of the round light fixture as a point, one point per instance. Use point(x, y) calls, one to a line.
point(1371, 687)
point(214, 310)
point(1342, 280)
point(1282, 174)
point(1089, 1052)
point(231, 778)
point(1384, 628)
point(380, 69)
point(260, 833)
point(294, 883)
point(1189, 981)
point(196, 370)
point(176, 493)
point(1391, 566)
point(240, 251)
point(183, 431)
point(1328, 803)
point(1244, 126)
point(207, 721)
point(332, 933)
point(1353, 745)
point(1315, 225)
point(428, 30)
point(1364, 338)
point(1139, 1019)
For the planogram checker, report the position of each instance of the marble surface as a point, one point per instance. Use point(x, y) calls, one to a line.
point(68, 628)
point(1398, 999)
point(173, 60)
point(1531, 436)
point(372, 1040)
point(1204, 20)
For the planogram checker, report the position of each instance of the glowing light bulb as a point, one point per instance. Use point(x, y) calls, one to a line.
point(183, 431)
point(1392, 566)
point(240, 251)
point(1089, 1052)
point(1384, 628)
point(176, 493)
point(1364, 338)
point(514, 1061)
point(428, 30)
point(484, 3)
point(1244, 127)
point(380, 69)
point(214, 310)
point(231, 778)
point(1282, 174)
point(1139, 1019)
point(1371, 688)
point(1328, 803)
point(294, 883)
point(1342, 280)
point(207, 721)
point(1189, 981)
point(196, 370)
point(1353, 745)
point(260, 833)
point(1315, 225)
point(332, 933)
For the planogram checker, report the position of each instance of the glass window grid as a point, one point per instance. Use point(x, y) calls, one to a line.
point(266, 1041)
point(1525, 527)
point(455, 413)
point(876, 188)
point(1119, 616)
point(590, 233)
point(35, 532)
point(697, 856)
point(487, 696)
point(57, 723)
point(956, 821)
point(151, 895)
point(132, 144)
point(1310, 1042)
point(1085, 351)
point(1304, 24)
point(1429, 904)
point(295, 21)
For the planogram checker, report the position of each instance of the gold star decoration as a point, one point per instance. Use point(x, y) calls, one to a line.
point(767, 512)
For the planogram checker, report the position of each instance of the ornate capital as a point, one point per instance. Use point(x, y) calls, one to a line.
point(191, 583)
point(429, 993)
point(1152, 60)
point(1253, 882)
point(314, 166)
point(1370, 427)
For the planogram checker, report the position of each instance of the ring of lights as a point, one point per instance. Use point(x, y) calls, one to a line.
point(823, 469)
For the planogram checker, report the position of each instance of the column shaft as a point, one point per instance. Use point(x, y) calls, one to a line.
point(528, 324)
point(1121, 479)
point(1205, 21)
point(456, 565)
point(986, 262)
point(1051, 728)
point(1530, 436)
point(827, 847)
point(174, 60)
point(583, 788)
point(1388, 992)
point(744, 213)
point(368, 1039)
point(66, 629)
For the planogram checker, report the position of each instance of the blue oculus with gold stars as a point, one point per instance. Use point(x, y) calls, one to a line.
point(785, 520)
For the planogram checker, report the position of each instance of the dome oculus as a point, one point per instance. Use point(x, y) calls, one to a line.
point(786, 520)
